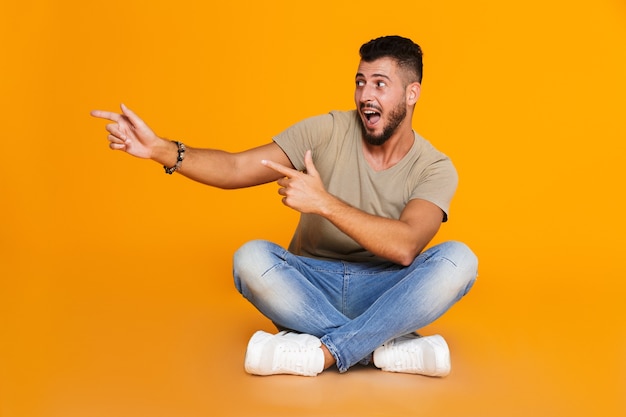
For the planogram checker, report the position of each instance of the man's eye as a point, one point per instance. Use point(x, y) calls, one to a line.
point(360, 83)
point(381, 84)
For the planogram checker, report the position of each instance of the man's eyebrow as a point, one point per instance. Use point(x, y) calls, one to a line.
point(358, 74)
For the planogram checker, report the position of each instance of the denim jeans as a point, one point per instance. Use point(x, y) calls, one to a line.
point(353, 307)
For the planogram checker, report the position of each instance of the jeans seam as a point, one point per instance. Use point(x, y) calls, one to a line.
point(345, 288)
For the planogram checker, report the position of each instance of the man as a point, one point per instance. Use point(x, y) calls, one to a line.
point(356, 281)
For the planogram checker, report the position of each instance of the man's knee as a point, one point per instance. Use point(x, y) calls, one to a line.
point(465, 264)
point(251, 261)
point(461, 255)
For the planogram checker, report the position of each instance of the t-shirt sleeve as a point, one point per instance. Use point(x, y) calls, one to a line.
point(308, 134)
point(437, 185)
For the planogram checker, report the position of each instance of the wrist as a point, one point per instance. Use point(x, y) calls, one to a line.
point(330, 206)
point(164, 152)
point(180, 156)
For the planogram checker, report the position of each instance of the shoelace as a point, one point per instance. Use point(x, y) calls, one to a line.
point(293, 356)
point(407, 356)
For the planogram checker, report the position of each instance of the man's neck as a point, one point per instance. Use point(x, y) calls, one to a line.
point(382, 157)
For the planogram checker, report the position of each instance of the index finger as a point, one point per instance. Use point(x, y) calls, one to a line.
point(109, 115)
point(286, 171)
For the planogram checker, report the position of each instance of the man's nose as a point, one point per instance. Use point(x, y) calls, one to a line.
point(367, 94)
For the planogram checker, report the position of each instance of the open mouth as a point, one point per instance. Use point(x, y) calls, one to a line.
point(371, 115)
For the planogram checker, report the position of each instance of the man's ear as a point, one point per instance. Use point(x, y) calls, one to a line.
point(413, 93)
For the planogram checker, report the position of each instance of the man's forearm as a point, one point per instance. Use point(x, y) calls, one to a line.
point(221, 169)
point(391, 239)
point(207, 166)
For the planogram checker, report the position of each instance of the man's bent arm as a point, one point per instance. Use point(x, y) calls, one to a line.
point(399, 241)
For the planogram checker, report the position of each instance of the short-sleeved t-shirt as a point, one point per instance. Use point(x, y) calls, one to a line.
point(336, 143)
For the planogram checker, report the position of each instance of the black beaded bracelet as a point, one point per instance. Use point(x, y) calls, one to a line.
point(179, 158)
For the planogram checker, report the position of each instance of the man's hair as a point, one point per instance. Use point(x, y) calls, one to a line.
point(406, 53)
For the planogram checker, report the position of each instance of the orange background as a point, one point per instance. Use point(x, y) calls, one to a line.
point(116, 294)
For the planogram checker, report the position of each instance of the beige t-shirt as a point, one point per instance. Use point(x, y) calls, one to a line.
point(335, 140)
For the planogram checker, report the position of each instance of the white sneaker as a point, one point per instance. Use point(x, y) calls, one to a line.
point(414, 355)
point(284, 353)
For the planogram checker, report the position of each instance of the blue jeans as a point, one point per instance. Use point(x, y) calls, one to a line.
point(353, 307)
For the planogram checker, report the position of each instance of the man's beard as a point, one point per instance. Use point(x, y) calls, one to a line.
point(396, 117)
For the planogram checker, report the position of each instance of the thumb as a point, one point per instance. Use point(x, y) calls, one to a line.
point(308, 163)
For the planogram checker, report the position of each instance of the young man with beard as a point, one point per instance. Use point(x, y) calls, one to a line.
point(355, 282)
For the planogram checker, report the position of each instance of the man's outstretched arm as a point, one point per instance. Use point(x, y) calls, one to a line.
point(130, 134)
